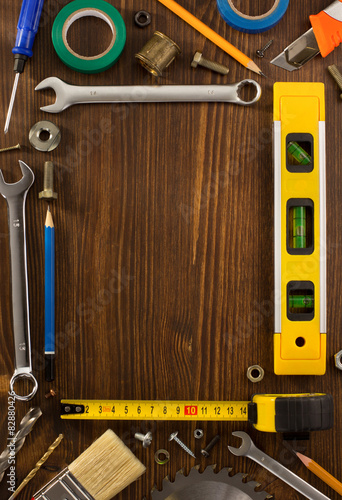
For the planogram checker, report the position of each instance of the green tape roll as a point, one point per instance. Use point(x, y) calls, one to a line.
point(81, 8)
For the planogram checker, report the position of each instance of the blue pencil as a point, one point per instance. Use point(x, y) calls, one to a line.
point(49, 297)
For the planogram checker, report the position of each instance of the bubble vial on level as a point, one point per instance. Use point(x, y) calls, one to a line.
point(298, 153)
point(299, 227)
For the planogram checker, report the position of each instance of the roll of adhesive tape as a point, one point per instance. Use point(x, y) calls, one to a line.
point(82, 8)
point(251, 24)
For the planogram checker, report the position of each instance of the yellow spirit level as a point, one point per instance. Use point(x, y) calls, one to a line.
point(299, 229)
point(290, 413)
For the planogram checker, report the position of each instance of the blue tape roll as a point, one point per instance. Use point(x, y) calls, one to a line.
point(252, 24)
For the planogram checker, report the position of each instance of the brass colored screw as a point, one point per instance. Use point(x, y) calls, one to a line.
point(333, 70)
point(199, 60)
point(50, 394)
point(10, 148)
point(48, 193)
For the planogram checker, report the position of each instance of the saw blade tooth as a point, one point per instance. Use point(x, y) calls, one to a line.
point(183, 483)
point(180, 472)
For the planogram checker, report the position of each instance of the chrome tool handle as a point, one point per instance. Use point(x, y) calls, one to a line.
point(164, 93)
point(285, 474)
point(15, 195)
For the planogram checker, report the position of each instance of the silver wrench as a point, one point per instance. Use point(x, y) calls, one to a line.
point(248, 449)
point(68, 95)
point(15, 195)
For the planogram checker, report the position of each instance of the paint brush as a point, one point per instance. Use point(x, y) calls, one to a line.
point(99, 473)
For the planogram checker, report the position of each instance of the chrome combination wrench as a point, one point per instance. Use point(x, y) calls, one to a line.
point(248, 449)
point(15, 195)
point(68, 95)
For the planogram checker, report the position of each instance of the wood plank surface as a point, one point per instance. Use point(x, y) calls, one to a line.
point(164, 245)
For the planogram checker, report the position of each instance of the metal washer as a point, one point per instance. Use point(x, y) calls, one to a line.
point(51, 143)
point(159, 460)
point(142, 18)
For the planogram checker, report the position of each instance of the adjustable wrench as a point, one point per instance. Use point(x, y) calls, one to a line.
point(248, 449)
point(15, 195)
point(68, 95)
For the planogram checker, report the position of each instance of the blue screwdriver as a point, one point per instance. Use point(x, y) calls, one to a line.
point(27, 30)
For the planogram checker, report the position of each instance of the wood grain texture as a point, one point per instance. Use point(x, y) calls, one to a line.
point(164, 245)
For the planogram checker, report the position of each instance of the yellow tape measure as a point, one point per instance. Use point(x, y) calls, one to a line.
point(155, 410)
point(292, 413)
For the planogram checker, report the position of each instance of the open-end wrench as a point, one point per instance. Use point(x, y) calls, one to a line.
point(248, 449)
point(15, 195)
point(68, 95)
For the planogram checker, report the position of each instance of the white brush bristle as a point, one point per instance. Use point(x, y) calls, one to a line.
point(106, 467)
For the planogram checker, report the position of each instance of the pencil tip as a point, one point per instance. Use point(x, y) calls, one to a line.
point(262, 74)
point(49, 208)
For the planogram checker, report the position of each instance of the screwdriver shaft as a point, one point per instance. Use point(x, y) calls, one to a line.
point(10, 108)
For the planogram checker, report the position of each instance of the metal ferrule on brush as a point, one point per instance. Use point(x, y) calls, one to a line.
point(63, 487)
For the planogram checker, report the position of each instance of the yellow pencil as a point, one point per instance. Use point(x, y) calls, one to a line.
point(211, 35)
point(321, 473)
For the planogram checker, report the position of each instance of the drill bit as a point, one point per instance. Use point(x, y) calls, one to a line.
point(24, 429)
point(37, 467)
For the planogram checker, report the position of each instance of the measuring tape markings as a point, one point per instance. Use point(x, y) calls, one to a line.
point(155, 410)
point(83, 8)
point(252, 24)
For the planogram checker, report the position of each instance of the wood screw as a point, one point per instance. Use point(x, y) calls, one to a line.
point(261, 52)
point(173, 437)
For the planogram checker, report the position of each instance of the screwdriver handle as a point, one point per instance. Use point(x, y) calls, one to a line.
point(27, 26)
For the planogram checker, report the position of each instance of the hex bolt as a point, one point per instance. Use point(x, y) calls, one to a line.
point(210, 446)
point(173, 437)
point(333, 70)
point(10, 148)
point(199, 60)
point(261, 52)
point(146, 439)
point(48, 193)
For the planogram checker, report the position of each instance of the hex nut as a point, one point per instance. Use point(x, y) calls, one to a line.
point(255, 373)
point(198, 433)
point(338, 360)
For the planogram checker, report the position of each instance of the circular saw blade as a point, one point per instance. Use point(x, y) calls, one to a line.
point(209, 486)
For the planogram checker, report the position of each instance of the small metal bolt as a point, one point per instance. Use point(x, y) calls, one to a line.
point(261, 52)
point(173, 437)
point(333, 70)
point(210, 446)
point(199, 60)
point(48, 193)
point(10, 148)
point(50, 394)
point(146, 439)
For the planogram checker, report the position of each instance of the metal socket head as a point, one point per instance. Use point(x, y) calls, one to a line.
point(47, 194)
point(196, 59)
point(338, 360)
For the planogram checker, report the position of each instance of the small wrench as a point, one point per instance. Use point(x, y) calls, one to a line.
point(68, 95)
point(248, 449)
point(15, 195)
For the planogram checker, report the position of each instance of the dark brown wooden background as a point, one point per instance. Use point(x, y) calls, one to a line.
point(169, 206)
